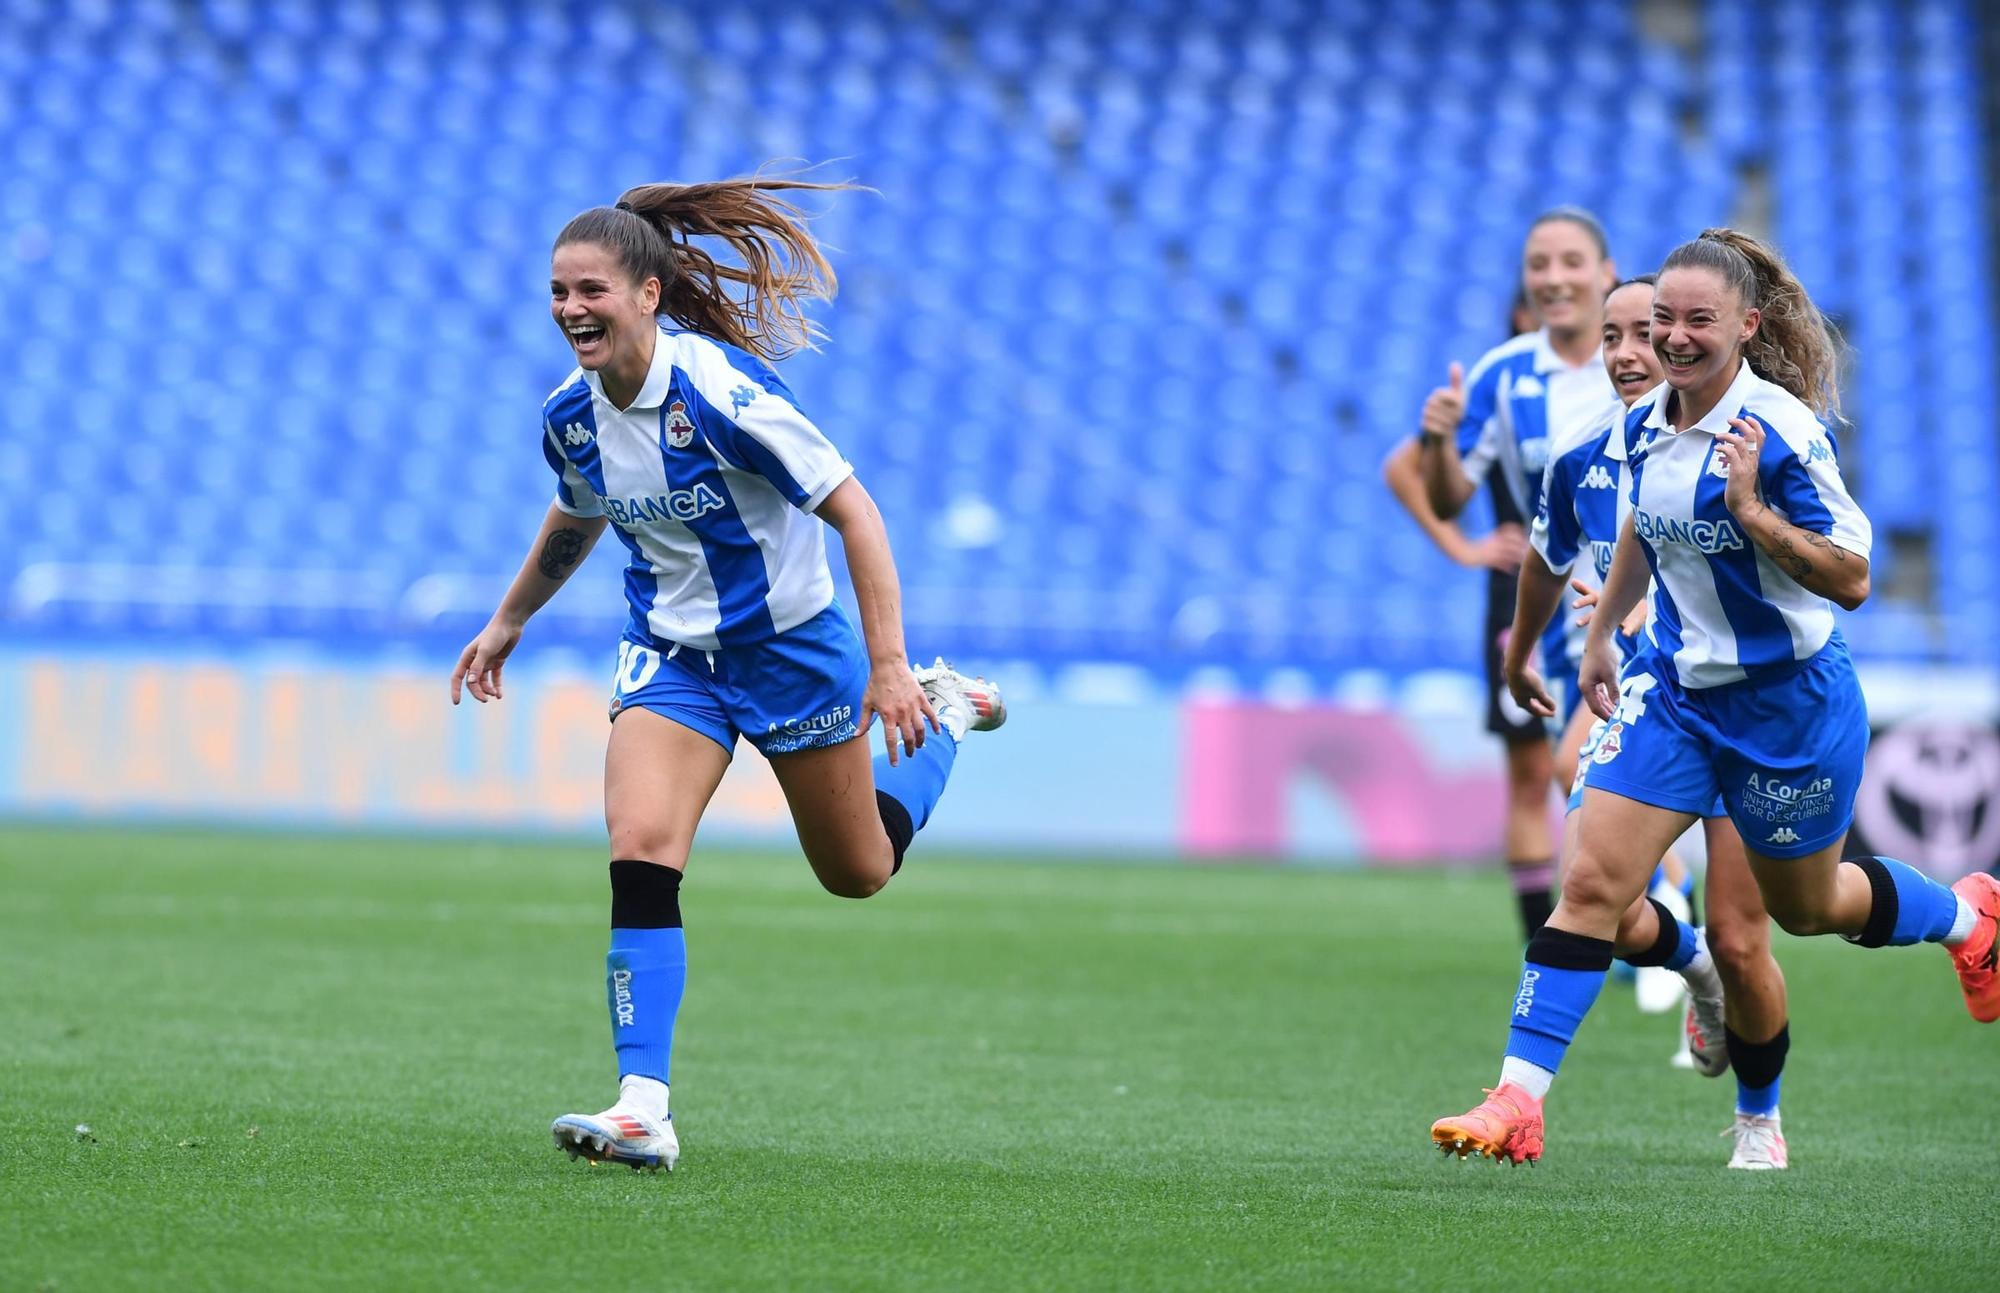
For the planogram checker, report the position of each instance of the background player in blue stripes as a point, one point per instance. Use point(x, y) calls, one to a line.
point(1499, 421)
point(675, 431)
point(1584, 503)
point(1588, 476)
point(1743, 687)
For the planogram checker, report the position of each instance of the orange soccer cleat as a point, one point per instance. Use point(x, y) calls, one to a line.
point(1977, 959)
point(1507, 1124)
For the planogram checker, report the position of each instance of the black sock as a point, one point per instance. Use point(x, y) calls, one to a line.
point(896, 821)
point(645, 895)
point(1534, 890)
point(1665, 945)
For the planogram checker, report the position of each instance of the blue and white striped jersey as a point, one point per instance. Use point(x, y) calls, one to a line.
point(1585, 499)
point(1522, 400)
point(709, 478)
point(1722, 610)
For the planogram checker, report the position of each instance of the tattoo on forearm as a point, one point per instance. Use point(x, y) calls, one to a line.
point(1785, 551)
point(560, 553)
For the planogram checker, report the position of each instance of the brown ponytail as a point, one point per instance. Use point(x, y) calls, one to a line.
point(781, 266)
point(1794, 345)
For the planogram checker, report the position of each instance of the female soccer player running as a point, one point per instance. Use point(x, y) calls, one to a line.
point(1539, 389)
point(1743, 687)
point(1730, 960)
point(675, 429)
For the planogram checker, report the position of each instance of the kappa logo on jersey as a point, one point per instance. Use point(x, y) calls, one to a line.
point(740, 398)
point(1597, 478)
point(1783, 835)
point(680, 431)
point(1529, 386)
point(1710, 537)
point(1818, 450)
point(682, 505)
point(577, 433)
point(1609, 745)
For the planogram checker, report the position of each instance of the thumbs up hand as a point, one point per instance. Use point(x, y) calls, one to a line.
point(1445, 407)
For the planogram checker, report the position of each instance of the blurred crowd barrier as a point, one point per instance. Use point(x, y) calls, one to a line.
point(297, 743)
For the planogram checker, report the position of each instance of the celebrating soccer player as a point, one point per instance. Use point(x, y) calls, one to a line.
point(676, 432)
point(1736, 1000)
point(1538, 389)
point(1743, 687)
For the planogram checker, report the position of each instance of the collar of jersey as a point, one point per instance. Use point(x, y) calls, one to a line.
point(1548, 361)
point(1717, 418)
point(659, 378)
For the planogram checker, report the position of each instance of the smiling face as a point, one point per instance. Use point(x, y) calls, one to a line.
point(1700, 324)
point(607, 318)
point(1628, 341)
point(1566, 275)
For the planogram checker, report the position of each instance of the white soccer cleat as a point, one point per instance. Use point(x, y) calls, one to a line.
point(624, 1133)
point(1705, 1038)
point(1760, 1146)
point(1657, 989)
point(963, 704)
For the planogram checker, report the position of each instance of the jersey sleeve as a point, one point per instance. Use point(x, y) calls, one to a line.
point(1480, 430)
point(1557, 534)
point(760, 429)
point(573, 493)
point(1803, 481)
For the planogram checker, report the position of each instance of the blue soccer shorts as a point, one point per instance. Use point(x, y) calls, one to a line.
point(1785, 754)
point(800, 690)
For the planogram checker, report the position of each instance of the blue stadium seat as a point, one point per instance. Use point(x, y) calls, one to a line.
point(1164, 292)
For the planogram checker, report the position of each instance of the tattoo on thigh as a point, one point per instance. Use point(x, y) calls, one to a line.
point(560, 553)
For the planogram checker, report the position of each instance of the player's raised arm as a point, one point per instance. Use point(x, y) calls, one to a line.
point(1820, 563)
point(559, 548)
point(1446, 483)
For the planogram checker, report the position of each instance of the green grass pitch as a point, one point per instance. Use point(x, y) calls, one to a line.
point(320, 1062)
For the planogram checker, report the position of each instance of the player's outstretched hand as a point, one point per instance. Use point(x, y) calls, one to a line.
point(1597, 679)
point(1445, 407)
point(894, 696)
point(479, 665)
point(1739, 449)
point(1530, 693)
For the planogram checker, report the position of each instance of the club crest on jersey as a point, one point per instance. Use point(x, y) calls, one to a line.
point(1609, 745)
point(1717, 467)
point(680, 431)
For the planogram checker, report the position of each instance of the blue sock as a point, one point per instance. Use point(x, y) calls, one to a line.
point(1910, 907)
point(906, 792)
point(1685, 946)
point(1559, 983)
point(1760, 1068)
point(1673, 947)
point(646, 968)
